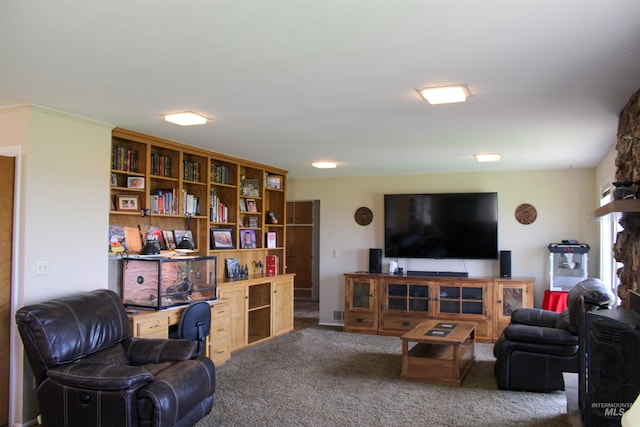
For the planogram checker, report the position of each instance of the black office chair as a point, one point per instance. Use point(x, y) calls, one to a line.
point(195, 324)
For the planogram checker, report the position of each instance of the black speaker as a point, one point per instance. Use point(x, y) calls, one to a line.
point(375, 260)
point(505, 263)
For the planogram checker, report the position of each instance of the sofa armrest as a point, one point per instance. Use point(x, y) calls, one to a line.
point(540, 335)
point(142, 351)
point(534, 317)
point(99, 376)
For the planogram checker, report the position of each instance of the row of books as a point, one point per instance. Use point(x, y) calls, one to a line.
point(220, 174)
point(160, 165)
point(191, 170)
point(124, 159)
point(218, 211)
point(191, 204)
point(132, 239)
point(163, 202)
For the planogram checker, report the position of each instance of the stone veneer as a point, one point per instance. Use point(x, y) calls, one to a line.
point(627, 247)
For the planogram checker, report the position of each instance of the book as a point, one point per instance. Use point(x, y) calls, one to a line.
point(133, 239)
point(179, 234)
point(117, 241)
point(271, 265)
point(271, 239)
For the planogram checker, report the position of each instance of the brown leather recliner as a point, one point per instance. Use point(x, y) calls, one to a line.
point(539, 345)
point(91, 372)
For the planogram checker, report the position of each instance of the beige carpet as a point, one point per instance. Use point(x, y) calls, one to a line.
point(322, 376)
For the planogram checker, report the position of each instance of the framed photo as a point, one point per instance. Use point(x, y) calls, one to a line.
point(248, 239)
point(114, 180)
point(251, 205)
point(251, 187)
point(222, 238)
point(253, 222)
point(274, 182)
point(135, 182)
point(127, 203)
point(243, 206)
point(233, 268)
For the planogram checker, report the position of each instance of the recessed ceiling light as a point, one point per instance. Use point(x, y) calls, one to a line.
point(324, 165)
point(186, 118)
point(445, 94)
point(495, 157)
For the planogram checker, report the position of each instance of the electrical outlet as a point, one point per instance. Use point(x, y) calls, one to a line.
point(42, 268)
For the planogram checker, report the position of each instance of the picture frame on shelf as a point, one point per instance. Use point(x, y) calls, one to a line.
point(251, 187)
point(233, 268)
point(274, 182)
point(243, 205)
point(222, 238)
point(253, 222)
point(135, 182)
point(248, 239)
point(127, 202)
point(114, 180)
point(251, 205)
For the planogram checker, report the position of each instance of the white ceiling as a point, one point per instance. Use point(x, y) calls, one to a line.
point(291, 81)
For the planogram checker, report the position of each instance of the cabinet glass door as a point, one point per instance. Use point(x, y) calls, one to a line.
point(361, 295)
point(512, 298)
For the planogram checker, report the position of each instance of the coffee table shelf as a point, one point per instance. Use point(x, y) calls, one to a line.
point(442, 359)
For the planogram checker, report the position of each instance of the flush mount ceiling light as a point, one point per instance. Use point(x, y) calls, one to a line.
point(324, 165)
point(445, 94)
point(495, 157)
point(186, 118)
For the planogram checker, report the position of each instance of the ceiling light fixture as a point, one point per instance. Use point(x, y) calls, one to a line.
point(495, 157)
point(445, 94)
point(324, 165)
point(186, 118)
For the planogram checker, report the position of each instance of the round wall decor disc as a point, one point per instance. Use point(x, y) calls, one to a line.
point(526, 213)
point(364, 216)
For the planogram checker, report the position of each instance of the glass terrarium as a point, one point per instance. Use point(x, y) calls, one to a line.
point(163, 282)
point(568, 265)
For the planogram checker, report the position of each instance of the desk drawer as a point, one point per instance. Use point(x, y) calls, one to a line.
point(153, 328)
point(220, 310)
point(219, 350)
point(401, 323)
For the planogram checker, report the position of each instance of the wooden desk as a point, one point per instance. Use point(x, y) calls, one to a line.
point(443, 353)
point(155, 324)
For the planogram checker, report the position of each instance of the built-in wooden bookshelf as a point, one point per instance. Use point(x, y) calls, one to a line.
point(188, 188)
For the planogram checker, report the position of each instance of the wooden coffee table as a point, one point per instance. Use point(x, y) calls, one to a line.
point(443, 352)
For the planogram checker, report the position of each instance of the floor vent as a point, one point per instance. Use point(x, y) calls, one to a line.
point(338, 315)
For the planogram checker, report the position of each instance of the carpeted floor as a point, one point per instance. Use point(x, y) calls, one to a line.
point(321, 376)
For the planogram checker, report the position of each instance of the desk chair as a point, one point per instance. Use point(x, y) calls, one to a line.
point(195, 324)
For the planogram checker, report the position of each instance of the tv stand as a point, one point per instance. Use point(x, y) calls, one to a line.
point(382, 304)
point(437, 273)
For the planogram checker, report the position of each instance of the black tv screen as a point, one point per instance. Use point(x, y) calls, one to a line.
point(441, 225)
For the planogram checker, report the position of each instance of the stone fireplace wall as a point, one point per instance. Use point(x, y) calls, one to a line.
point(627, 247)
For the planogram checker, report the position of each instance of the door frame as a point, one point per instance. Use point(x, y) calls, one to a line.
point(16, 351)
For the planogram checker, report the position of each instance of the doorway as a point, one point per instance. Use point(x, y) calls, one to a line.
point(7, 177)
point(303, 219)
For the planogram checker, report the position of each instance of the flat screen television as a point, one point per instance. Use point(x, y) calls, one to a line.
point(441, 225)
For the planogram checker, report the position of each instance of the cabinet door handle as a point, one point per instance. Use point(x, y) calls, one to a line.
point(407, 323)
point(360, 320)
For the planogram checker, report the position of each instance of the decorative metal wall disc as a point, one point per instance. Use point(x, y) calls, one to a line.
point(364, 216)
point(526, 213)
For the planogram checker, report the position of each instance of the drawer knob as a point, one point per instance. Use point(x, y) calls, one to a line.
point(361, 320)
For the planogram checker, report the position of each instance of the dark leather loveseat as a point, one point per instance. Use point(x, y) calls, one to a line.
point(91, 372)
point(539, 345)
